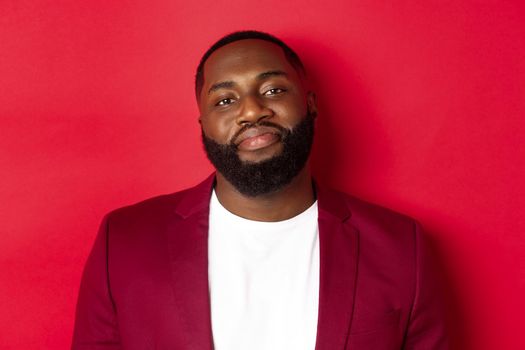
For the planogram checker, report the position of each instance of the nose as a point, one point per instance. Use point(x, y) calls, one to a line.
point(253, 110)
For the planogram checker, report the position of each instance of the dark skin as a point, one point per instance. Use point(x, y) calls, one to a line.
point(245, 82)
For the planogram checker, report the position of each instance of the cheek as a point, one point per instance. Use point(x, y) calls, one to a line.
point(218, 130)
point(292, 113)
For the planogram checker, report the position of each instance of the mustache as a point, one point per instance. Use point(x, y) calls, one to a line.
point(282, 132)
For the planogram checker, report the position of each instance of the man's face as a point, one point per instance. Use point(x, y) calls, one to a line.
point(256, 116)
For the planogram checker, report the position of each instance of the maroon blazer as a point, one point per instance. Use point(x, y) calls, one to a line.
point(145, 284)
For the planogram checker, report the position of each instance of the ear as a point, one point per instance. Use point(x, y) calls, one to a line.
point(311, 101)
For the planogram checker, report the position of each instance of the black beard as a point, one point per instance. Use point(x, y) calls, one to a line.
point(270, 175)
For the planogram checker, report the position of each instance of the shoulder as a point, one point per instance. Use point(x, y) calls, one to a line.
point(146, 207)
point(382, 232)
point(163, 206)
point(368, 215)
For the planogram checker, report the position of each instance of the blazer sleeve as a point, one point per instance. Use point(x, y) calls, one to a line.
point(96, 320)
point(426, 328)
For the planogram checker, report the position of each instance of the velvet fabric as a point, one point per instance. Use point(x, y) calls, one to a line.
point(145, 284)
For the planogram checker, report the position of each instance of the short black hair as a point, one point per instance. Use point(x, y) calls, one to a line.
point(290, 54)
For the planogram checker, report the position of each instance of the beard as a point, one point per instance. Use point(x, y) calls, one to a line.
point(270, 175)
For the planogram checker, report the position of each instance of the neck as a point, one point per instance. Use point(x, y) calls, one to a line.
point(284, 204)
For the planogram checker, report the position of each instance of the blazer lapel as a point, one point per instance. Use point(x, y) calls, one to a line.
point(188, 247)
point(338, 241)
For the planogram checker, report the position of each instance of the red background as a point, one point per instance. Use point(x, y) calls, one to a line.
point(421, 110)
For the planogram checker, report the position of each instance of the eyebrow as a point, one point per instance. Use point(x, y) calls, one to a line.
point(229, 84)
point(271, 73)
point(221, 85)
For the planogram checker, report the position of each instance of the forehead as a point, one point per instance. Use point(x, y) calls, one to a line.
point(244, 57)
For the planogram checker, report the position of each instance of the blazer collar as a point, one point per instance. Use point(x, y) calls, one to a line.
point(338, 241)
point(196, 199)
point(338, 244)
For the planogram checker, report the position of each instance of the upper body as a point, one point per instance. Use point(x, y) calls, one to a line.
point(151, 279)
point(146, 284)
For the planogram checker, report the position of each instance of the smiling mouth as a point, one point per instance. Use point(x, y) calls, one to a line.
point(256, 138)
point(257, 142)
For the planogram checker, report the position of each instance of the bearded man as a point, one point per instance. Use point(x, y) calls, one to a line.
point(258, 256)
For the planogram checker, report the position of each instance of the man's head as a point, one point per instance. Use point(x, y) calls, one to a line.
point(256, 112)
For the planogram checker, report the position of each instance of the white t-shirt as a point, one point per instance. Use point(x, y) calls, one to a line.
point(264, 280)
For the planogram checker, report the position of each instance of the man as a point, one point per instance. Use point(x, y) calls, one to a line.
point(258, 256)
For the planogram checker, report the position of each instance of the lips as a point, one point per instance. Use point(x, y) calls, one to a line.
point(257, 138)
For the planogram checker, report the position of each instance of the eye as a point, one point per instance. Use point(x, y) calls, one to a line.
point(274, 91)
point(224, 102)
